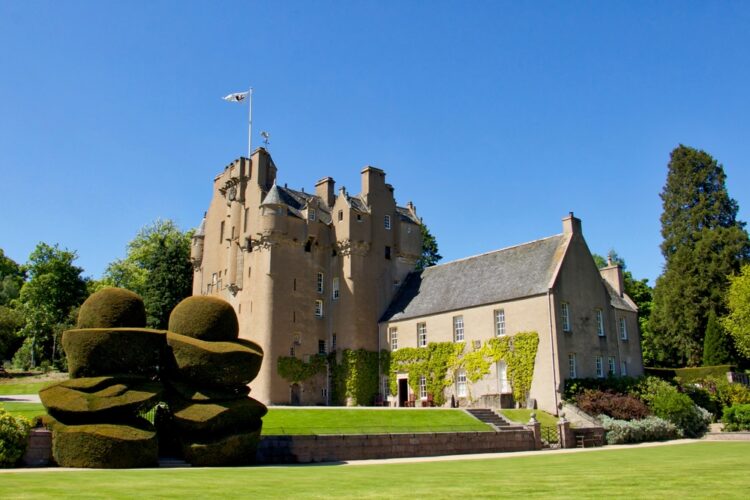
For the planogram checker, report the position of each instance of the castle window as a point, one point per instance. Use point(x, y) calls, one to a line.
point(333, 342)
point(244, 222)
point(623, 368)
point(599, 367)
point(623, 329)
point(359, 217)
point(572, 369)
point(394, 338)
point(311, 214)
point(308, 245)
point(221, 232)
point(421, 334)
point(341, 215)
point(565, 309)
point(233, 232)
point(335, 288)
point(458, 329)
point(218, 285)
point(461, 391)
point(318, 308)
point(599, 323)
point(388, 253)
point(612, 368)
point(291, 351)
point(322, 347)
point(499, 322)
point(319, 283)
point(422, 387)
point(387, 221)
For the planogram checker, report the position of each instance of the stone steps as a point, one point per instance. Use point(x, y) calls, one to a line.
point(488, 416)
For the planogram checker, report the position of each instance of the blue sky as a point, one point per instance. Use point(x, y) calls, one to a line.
point(495, 118)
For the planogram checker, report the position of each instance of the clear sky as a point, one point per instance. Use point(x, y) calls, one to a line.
point(495, 118)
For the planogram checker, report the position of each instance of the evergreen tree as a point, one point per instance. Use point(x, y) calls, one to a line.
point(717, 349)
point(703, 244)
point(430, 255)
point(11, 279)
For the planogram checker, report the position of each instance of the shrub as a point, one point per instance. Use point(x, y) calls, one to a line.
point(686, 375)
point(622, 385)
point(619, 406)
point(736, 418)
point(216, 418)
point(679, 409)
point(638, 431)
point(205, 318)
point(112, 308)
point(648, 388)
point(237, 449)
point(14, 437)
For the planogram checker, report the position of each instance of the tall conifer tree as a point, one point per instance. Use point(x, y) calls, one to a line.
point(703, 244)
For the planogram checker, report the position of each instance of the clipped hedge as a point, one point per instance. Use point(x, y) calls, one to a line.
point(237, 449)
point(14, 436)
point(214, 363)
point(736, 418)
point(205, 318)
point(638, 431)
point(94, 352)
point(100, 399)
point(105, 446)
point(112, 308)
point(207, 419)
point(686, 375)
point(190, 392)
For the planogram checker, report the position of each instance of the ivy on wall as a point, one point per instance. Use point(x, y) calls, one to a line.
point(435, 363)
point(295, 370)
point(355, 376)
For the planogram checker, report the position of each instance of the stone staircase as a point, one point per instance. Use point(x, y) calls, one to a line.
point(490, 417)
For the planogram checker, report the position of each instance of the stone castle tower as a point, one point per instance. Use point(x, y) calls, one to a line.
point(307, 273)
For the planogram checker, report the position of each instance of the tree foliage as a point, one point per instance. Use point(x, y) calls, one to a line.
point(737, 321)
point(430, 255)
point(717, 347)
point(157, 267)
point(703, 243)
point(11, 279)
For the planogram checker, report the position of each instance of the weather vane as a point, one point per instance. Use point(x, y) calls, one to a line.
point(265, 135)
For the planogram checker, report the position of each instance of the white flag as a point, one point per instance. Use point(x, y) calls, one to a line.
point(238, 97)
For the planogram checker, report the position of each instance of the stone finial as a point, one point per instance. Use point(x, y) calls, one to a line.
point(533, 419)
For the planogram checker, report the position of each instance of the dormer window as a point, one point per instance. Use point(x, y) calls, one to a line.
point(387, 222)
point(311, 214)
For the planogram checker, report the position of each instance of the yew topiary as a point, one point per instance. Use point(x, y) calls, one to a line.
point(94, 352)
point(112, 308)
point(104, 446)
point(194, 393)
point(236, 449)
point(205, 318)
point(216, 418)
point(100, 399)
point(214, 363)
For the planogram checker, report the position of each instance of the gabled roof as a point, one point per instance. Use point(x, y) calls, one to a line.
point(511, 273)
point(405, 215)
point(625, 303)
point(295, 201)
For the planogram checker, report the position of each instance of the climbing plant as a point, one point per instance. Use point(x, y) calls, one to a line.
point(436, 363)
point(295, 370)
point(355, 376)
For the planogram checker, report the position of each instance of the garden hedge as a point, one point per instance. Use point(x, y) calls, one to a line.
point(112, 308)
point(237, 449)
point(214, 363)
point(190, 392)
point(100, 399)
point(216, 418)
point(205, 318)
point(93, 352)
point(105, 446)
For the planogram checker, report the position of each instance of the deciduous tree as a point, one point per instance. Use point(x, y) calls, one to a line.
point(737, 322)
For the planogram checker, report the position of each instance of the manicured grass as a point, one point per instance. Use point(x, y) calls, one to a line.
point(28, 410)
point(361, 421)
point(679, 471)
point(523, 416)
point(10, 388)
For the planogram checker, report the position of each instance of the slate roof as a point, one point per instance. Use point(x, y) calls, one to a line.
point(405, 215)
point(506, 274)
point(296, 201)
point(624, 302)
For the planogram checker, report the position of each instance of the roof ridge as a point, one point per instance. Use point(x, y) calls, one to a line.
point(495, 251)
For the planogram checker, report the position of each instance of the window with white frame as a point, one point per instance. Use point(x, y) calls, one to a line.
point(612, 366)
point(565, 308)
point(318, 308)
point(599, 367)
point(461, 390)
point(623, 368)
point(458, 329)
point(387, 222)
point(335, 288)
point(311, 213)
point(623, 329)
point(499, 322)
point(572, 369)
point(599, 323)
point(422, 387)
point(502, 377)
point(421, 334)
point(319, 283)
point(394, 338)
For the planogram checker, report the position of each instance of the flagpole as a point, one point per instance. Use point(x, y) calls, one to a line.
point(250, 123)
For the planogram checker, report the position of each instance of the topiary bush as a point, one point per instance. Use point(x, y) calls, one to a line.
point(214, 363)
point(236, 449)
point(112, 308)
point(736, 418)
point(190, 392)
point(205, 318)
point(93, 352)
point(14, 437)
point(618, 406)
point(214, 418)
point(638, 431)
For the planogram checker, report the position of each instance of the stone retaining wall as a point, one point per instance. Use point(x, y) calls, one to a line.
point(337, 448)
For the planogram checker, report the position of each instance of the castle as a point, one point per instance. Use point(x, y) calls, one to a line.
point(324, 272)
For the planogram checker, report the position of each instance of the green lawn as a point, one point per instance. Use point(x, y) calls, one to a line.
point(695, 470)
point(10, 387)
point(28, 410)
point(360, 421)
point(522, 416)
